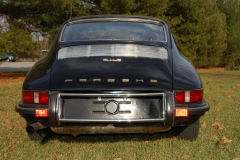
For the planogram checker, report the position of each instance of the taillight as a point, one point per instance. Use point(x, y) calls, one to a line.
point(28, 97)
point(35, 97)
point(43, 97)
point(188, 96)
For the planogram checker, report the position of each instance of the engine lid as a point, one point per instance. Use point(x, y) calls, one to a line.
point(112, 67)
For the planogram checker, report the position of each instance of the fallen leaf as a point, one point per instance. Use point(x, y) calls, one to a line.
point(213, 110)
point(135, 156)
point(186, 156)
point(215, 137)
point(204, 125)
point(208, 98)
point(230, 96)
point(238, 85)
point(118, 159)
point(215, 86)
point(236, 159)
point(225, 140)
point(12, 145)
point(218, 104)
point(220, 126)
point(151, 155)
point(221, 86)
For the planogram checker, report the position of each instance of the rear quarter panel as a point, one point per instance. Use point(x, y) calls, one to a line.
point(185, 76)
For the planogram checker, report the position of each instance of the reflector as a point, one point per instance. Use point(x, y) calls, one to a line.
point(183, 112)
point(41, 113)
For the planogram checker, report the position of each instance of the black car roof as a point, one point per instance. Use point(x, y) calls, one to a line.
point(114, 16)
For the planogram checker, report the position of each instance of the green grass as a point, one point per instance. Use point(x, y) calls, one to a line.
point(221, 91)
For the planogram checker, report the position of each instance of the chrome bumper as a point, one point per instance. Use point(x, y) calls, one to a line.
point(111, 129)
point(56, 109)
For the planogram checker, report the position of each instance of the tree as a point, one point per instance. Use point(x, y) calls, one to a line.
point(18, 42)
point(41, 15)
point(200, 31)
point(206, 30)
point(231, 8)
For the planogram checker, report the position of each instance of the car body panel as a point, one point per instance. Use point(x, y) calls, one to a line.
point(185, 76)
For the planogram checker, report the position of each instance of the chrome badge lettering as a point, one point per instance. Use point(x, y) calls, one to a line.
point(112, 60)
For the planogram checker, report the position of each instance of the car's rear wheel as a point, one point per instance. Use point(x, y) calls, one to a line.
point(186, 133)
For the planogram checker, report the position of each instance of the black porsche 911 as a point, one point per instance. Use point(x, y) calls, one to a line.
point(113, 74)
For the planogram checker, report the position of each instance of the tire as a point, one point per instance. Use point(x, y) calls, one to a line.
point(186, 133)
point(41, 135)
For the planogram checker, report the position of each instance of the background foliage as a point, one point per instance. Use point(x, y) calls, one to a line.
point(207, 31)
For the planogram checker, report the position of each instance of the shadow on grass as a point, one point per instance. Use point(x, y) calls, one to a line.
point(112, 138)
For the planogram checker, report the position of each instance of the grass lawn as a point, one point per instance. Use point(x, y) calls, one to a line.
point(222, 90)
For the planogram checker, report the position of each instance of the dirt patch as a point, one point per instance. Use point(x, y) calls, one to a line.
point(210, 68)
point(12, 75)
point(6, 81)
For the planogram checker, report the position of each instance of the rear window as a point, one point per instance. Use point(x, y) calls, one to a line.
point(113, 50)
point(113, 31)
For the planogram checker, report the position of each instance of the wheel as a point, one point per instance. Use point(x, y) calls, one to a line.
point(186, 133)
point(41, 135)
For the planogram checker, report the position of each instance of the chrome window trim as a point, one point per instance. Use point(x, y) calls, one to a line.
point(115, 20)
point(59, 108)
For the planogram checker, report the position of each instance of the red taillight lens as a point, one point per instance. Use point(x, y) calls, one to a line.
point(196, 96)
point(43, 97)
point(28, 97)
point(41, 113)
point(180, 96)
point(35, 97)
point(188, 96)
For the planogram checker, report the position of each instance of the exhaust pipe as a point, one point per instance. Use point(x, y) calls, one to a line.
point(34, 127)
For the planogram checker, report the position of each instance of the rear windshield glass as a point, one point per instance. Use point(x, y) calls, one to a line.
point(113, 50)
point(113, 31)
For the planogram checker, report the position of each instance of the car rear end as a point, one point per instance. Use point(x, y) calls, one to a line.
point(110, 85)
